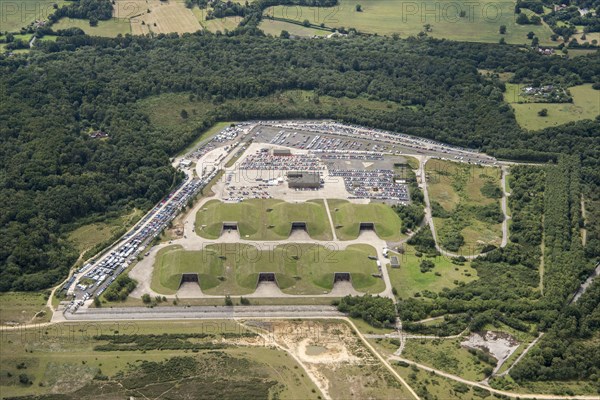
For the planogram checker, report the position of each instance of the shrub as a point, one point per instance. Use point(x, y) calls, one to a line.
point(426, 265)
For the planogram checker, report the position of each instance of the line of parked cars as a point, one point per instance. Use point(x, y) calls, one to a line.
point(105, 270)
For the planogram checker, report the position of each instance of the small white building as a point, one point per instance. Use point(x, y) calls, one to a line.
point(185, 163)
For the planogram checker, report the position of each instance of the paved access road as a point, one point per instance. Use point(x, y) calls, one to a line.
point(202, 312)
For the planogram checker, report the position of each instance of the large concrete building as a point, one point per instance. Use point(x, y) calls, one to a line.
point(282, 152)
point(303, 180)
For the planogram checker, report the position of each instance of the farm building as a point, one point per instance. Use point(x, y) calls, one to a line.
point(303, 180)
point(394, 262)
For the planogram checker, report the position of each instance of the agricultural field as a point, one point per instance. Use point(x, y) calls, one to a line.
point(233, 362)
point(348, 216)
point(263, 219)
point(108, 28)
point(23, 308)
point(465, 201)
point(480, 23)
point(272, 27)
point(409, 281)
point(585, 105)
point(156, 17)
point(234, 268)
point(589, 37)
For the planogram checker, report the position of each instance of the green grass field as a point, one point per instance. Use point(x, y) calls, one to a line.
point(458, 188)
point(61, 359)
point(49, 38)
point(23, 308)
point(87, 236)
point(348, 216)
point(586, 105)
point(409, 280)
point(272, 27)
point(233, 269)
point(108, 28)
point(581, 52)
point(165, 110)
point(263, 219)
point(219, 24)
point(480, 23)
point(15, 15)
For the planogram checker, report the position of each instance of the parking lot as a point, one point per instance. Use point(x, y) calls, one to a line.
point(331, 136)
point(373, 185)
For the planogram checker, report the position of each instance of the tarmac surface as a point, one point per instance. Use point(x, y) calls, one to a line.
point(202, 312)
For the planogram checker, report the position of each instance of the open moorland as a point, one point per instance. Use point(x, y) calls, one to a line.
point(23, 308)
point(234, 268)
point(263, 219)
point(336, 358)
point(146, 359)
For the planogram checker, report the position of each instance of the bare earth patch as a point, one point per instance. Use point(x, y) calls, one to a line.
point(334, 358)
point(499, 344)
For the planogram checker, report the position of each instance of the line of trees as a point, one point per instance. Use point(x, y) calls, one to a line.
point(374, 310)
point(565, 262)
point(94, 10)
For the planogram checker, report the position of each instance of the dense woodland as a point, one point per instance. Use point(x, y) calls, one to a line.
point(94, 10)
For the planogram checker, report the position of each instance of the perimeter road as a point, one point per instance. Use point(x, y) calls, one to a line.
point(495, 391)
point(202, 312)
